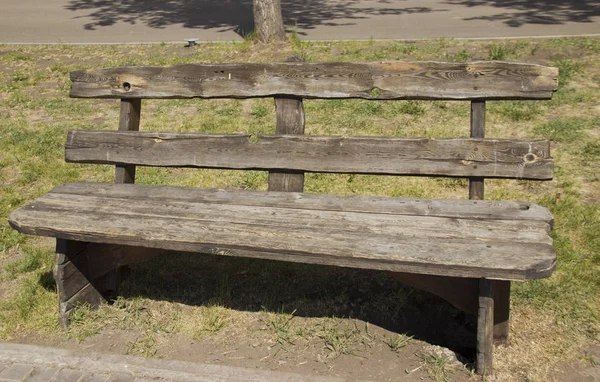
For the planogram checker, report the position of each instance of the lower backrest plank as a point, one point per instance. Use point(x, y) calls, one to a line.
point(497, 158)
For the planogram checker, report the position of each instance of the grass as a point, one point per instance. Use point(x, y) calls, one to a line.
point(280, 324)
point(567, 130)
point(397, 343)
point(298, 308)
point(439, 366)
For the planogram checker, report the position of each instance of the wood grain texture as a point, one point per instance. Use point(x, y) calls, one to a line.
point(468, 209)
point(289, 117)
point(99, 260)
point(129, 120)
point(501, 312)
point(73, 284)
point(373, 80)
point(394, 242)
point(497, 158)
point(476, 184)
point(485, 327)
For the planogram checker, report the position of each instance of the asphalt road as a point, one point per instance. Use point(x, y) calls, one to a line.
point(102, 21)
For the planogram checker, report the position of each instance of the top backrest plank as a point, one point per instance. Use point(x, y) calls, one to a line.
point(490, 80)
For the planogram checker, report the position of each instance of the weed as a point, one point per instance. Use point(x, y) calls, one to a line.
point(591, 360)
point(567, 68)
point(34, 259)
point(592, 149)
point(438, 365)
point(215, 320)
point(203, 321)
point(403, 48)
point(250, 37)
point(230, 109)
point(339, 340)
point(414, 108)
point(452, 183)
point(254, 180)
point(15, 56)
point(144, 345)
point(517, 110)
point(462, 56)
point(534, 49)
point(499, 51)
point(20, 77)
point(84, 323)
point(260, 111)
point(566, 130)
point(295, 40)
point(398, 342)
point(280, 323)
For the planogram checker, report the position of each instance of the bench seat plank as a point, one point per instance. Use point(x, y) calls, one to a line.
point(494, 158)
point(442, 237)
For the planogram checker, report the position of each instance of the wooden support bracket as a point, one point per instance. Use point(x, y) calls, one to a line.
point(82, 272)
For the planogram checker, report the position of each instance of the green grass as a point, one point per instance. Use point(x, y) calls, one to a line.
point(517, 111)
point(162, 301)
point(280, 324)
point(567, 130)
point(567, 69)
point(397, 343)
point(438, 366)
point(500, 51)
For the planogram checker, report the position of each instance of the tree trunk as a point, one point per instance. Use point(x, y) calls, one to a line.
point(268, 21)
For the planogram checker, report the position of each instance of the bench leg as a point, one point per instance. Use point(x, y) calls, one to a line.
point(501, 311)
point(485, 327)
point(74, 282)
point(87, 273)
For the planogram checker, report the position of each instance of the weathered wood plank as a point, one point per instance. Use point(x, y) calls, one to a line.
point(485, 327)
point(467, 209)
point(435, 227)
point(428, 245)
point(497, 158)
point(374, 80)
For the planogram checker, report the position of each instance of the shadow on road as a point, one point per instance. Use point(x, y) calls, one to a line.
point(232, 14)
point(542, 12)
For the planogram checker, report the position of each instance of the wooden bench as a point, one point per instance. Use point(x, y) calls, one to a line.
point(466, 251)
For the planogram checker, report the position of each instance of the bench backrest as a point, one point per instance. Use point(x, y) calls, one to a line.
point(288, 154)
